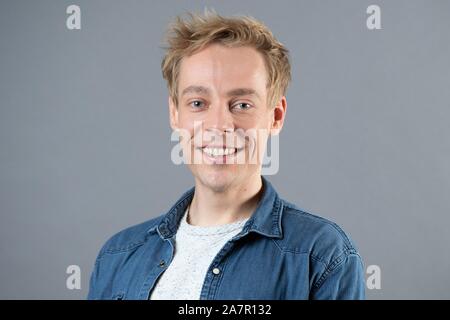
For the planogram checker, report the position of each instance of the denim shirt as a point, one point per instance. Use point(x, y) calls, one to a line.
point(282, 252)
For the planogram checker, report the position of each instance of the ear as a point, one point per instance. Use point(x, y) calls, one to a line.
point(173, 114)
point(278, 115)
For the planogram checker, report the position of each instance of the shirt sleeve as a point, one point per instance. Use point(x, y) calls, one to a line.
point(343, 279)
point(92, 295)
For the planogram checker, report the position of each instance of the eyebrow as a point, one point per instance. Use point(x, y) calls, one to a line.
point(195, 89)
point(231, 93)
point(242, 92)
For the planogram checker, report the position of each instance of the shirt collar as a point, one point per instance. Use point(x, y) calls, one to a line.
point(266, 219)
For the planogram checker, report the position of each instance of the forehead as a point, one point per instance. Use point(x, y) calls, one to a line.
point(223, 68)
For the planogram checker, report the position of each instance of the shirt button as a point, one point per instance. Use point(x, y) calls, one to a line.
point(216, 271)
point(162, 263)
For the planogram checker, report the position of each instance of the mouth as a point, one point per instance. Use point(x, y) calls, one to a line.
point(219, 154)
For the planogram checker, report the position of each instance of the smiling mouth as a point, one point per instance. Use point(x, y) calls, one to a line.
point(218, 152)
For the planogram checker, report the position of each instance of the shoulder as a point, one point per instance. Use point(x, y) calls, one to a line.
point(307, 233)
point(130, 237)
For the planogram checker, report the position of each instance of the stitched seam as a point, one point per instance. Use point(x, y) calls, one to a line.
point(114, 250)
point(171, 214)
point(127, 248)
point(347, 243)
point(314, 257)
point(334, 265)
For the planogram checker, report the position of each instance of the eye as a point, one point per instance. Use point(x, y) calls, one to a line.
point(242, 106)
point(196, 104)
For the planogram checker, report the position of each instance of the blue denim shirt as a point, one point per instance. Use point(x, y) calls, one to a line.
point(282, 252)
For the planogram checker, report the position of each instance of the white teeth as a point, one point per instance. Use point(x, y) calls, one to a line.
point(218, 152)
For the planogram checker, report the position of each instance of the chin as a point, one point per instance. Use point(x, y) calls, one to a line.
point(216, 179)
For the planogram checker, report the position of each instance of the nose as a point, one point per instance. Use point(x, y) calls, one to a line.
point(219, 119)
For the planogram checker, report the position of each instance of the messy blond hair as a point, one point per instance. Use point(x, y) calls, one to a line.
point(187, 36)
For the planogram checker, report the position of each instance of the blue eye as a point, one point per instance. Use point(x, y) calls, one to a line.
point(243, 106)
point(196, 104)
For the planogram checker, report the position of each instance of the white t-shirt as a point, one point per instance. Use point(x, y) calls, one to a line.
point(195, 249)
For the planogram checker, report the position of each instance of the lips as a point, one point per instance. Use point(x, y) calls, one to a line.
point(219, 151)
point(219, 154)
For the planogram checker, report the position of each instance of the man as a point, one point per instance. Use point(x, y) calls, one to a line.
point(231, 236)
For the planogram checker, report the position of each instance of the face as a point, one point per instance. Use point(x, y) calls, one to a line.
point(223, 114)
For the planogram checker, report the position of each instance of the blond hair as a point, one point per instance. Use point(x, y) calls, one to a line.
point(187, 36)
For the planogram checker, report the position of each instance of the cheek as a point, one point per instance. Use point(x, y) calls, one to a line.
point(257, 121)
point(189, 120)
point(186, 131)
point(187, 125)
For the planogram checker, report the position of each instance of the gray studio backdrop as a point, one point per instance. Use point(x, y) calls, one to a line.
point(85, 139)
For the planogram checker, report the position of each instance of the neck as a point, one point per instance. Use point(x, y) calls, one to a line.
point(209, 207)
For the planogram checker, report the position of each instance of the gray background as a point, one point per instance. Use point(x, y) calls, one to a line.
point(85, 139)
